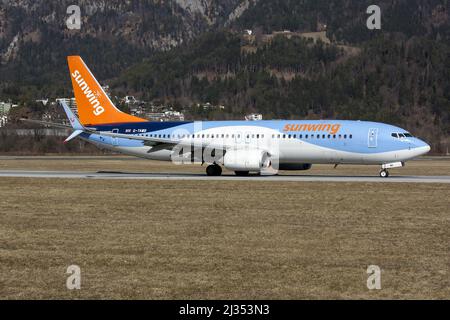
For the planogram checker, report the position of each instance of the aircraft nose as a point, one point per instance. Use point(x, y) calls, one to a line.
point(422, 147)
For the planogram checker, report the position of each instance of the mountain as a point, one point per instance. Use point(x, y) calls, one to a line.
point(185, 52)
point(399, 74)
point(34, 38)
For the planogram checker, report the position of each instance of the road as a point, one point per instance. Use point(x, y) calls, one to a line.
point(195, 176)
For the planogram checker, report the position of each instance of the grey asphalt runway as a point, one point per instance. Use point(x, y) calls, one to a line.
point(230, 177)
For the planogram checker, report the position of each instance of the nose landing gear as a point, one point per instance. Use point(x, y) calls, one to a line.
point(384, 173)
point(213, 170)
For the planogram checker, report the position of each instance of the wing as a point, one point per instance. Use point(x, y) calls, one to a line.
point(156, 143)
point(150, 141)
point(45, 123)
point(160, 143)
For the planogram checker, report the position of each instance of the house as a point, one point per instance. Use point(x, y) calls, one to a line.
point(5, 107)
point(253, 117)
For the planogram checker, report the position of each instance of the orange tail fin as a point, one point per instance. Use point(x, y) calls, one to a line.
point(94, 105)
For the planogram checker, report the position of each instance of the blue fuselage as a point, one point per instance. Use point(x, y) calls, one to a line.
point(295, 141)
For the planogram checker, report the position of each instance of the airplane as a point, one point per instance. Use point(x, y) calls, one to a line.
point(261, 147)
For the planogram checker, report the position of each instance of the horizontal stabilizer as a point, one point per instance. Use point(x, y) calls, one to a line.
point(74, 134)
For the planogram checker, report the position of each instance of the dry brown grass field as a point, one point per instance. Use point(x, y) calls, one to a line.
point(427, 166)
point(221, 239)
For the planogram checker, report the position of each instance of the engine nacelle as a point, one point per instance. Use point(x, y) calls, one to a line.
point(246, 160)
point(295, 166)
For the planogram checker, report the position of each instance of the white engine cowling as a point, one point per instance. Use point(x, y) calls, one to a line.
point(246, 160)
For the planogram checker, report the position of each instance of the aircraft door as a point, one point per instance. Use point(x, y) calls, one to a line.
point(114, 140)
point(372, 140)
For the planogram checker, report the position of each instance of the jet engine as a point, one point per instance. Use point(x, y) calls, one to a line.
point(246, 160)
point(295, 166)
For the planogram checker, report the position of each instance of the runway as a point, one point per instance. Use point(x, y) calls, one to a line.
point(229, 177)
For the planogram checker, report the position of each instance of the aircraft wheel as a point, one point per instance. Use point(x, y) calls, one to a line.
point(241, 173)
point(384, 173)
point(213, 170)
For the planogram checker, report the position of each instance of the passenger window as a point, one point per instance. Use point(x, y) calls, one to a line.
point(279, 136)
point(300, 136)
point(306, 136)
point(351, 136)
point(345, 136)
point(329, 136)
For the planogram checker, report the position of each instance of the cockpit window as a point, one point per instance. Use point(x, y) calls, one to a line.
point(399, 135)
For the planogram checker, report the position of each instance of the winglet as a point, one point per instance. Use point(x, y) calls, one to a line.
point(74, 122)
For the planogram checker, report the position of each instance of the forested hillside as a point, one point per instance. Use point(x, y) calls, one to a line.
point(114, 34)
point(346, 19)
point(393, 80)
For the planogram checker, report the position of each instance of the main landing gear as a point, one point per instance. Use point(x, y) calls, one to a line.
point(213, 170)
point(384, 173)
